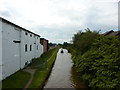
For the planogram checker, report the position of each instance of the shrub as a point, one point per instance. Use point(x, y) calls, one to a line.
point(83, 40)
point(100, 66)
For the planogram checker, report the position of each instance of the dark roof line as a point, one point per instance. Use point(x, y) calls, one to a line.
point(107, 33)
point(43, 39)
point(18, 26)
point(112, 33)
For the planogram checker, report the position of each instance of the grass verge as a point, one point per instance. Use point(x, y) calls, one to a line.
point(17, 80)
point(43, 65)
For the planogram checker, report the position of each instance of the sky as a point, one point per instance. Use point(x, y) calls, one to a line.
point(59, 20)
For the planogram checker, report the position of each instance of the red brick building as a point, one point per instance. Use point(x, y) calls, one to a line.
point(44, 42)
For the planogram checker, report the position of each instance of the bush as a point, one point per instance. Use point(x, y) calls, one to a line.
point(100, 65)
point(82, 42)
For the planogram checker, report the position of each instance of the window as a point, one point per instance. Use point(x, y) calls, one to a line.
point(30, 47)
point(26, 33)
point(25, 47)
point(37, 37)
point(37, 47)
point(16, 41)
point(30, 35)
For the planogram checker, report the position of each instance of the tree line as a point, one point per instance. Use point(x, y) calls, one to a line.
point(97, 58)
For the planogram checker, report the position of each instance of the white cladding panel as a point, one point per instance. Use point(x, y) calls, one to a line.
point(119, 15)
point(11, 50)
point(28, 55)
point(0, 50)
point(14, 55)
point(28, 40)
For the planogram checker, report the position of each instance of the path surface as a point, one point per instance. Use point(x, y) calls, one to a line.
point(61, 73)
point(31, 71)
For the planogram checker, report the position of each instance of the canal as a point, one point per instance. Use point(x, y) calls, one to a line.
point(63, 74)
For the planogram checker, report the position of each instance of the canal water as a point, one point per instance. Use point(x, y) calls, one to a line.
point(63, 74)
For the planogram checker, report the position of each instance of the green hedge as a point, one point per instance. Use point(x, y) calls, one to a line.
point(82, 42)
point(100, 65)
point(97, 58)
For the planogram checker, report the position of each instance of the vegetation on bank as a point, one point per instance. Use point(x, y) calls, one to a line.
point(43, 65)
point(97, 58)
point(17, 80)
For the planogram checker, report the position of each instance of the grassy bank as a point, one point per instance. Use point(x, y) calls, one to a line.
point(17, 80)
point(43, 65)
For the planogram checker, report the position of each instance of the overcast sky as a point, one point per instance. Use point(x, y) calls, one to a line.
point(58, 20)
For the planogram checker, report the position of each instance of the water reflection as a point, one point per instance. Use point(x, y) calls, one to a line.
point(63, 74)
point(76, 79)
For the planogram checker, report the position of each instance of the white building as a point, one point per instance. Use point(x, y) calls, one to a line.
point(119, 15)
point(18, 47)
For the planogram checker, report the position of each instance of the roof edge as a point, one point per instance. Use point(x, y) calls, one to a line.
point(18, 26)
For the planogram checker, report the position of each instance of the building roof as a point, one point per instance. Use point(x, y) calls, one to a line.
point(18, 26)
point(112, 33)
point(43, 39)
point(109, 32)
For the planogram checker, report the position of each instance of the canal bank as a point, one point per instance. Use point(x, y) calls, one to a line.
point(63, 74)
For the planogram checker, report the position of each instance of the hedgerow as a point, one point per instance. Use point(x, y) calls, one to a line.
point(100, 64)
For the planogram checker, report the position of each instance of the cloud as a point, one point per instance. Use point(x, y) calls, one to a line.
point(5, 13)
point(58, 20)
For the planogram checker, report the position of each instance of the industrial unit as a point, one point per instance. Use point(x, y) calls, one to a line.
point(18, 46)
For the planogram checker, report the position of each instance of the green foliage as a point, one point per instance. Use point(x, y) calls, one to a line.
point(82, 41)
point(100, 65)
point(43, 70)
point(65, 45)
point(37, 63)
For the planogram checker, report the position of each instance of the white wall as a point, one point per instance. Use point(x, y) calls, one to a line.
point(26, 56)
point(41, 49)
point(11, 50)
point(29, 55)
point(38, 51)
point(0, 52)
point(119, 15)
point(14, 55)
